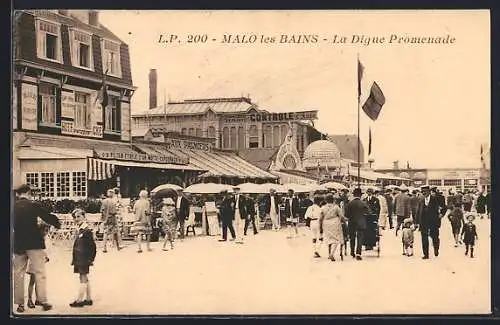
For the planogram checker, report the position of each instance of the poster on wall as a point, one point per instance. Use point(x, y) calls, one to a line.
point(68, 127)
point(68, 104)
point(29, 112)
point(14, 107)
point(125, 110)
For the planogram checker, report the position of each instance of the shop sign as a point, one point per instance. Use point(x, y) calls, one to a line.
point(139, 157)
point(283, 117)
point(29, 99)
point(68, 104)
point(187, 144)
point(68, 127)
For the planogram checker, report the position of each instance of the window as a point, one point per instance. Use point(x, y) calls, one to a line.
point(63, 187)
point(47, 98)
point(47, 184)
point(32, 179)
point(79, 184)
point(225, 138)
point(232, 138)
point(198, 132)
point(211, 132)
point(191, 131)
point(276, 136)
point(268, 133)
point(81, 49)
point(254, 137)
point(434, 182)
point(49, 41)
point(82, 110)
point(111, 58)
point(452, 182)
point(183, 131)
point(112, 121)
point(241, 138)
point(284, 131)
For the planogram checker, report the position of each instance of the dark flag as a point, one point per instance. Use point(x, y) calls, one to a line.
point(103, 95)
point(374, 103)
point(407, 165)
point(482, 156)
point(370, 142)
point(360, 76)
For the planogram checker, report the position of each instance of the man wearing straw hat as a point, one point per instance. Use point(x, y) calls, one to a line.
point(429, 221)
point(272, 208)
point(402, 207)
point(240, 214)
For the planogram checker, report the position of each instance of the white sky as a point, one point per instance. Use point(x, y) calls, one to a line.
point(437, 110)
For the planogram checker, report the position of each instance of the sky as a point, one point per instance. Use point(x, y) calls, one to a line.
point(437, 110)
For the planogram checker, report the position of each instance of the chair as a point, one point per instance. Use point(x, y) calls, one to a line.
point(190, 222)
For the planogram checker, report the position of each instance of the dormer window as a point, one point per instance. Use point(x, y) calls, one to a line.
point(111, 58)
point(49, 41)
point(81, 49)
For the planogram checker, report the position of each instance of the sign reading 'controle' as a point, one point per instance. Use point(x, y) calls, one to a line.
point(281, 117)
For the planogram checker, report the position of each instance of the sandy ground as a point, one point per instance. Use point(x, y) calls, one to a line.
point(271, 274)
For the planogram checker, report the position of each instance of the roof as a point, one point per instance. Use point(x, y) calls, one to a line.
point(39, 152)
point(260, 157)
point(222, 164)
point(201, 106)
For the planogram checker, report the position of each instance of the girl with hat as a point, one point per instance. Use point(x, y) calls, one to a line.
point(168, 222)
point(469, 235)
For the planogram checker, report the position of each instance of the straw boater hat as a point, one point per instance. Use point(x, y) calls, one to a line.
point(168, 201)
point(470, 216)
point(404, 188)
point(408, 221)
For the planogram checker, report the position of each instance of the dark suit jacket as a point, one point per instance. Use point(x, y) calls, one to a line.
point(267, 203)
point(250, 207)
point(242, 206)
point(27, 234)
point(442, 203)
point(390, 204)
point(183, 212)
point(373, 205)
point(356, 212)
point(295, 207)
point(84, 248)
point(428, 216)
point(226, 209)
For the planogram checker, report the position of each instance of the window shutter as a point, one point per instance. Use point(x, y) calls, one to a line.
point(72, 46)
point(103, 56)
point(40, 37)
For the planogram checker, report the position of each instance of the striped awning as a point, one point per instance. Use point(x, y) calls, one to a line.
point(98, 169)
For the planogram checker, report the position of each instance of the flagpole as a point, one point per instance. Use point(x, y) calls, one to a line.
point(359, 140)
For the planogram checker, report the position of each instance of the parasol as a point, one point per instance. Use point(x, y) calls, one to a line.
point(335, 185)
point(166, 186)
point(250, 188)
point(207, 188)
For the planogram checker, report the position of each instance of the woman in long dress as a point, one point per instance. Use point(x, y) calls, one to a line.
point(330, 223)
point(142, 225)
point(312, 215)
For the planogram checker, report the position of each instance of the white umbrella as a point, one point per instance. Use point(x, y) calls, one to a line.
point(266, 187)
point(335, 185)
point(207, 188)
point(250, 188)
point(166, 187)
point(391, 187)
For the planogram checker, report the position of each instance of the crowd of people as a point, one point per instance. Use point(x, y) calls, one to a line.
point(337, 219)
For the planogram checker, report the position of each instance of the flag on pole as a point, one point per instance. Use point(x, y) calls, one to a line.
point(370, 142)
point(103, 93)
point(482, 156)
point(374, 102)
point(360, 76)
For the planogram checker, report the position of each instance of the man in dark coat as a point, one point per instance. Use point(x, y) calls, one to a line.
point(251, 212)
point(373, 211)
point(481, 204)
point(239, 213)
point(488, 204)
point(429, 221)
point(29, 245)
point(271, 207)
point(227, 215)
point(181, 213)
point(292, 213)
point(356, 212)
point(390, 206)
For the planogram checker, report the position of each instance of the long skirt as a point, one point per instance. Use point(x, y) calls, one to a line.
point(332, 231)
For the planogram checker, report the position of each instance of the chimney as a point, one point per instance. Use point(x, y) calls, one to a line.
point(395, 165)
point(153, 102)
point(94, 18)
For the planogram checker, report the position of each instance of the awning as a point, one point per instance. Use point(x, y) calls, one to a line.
point(99, 169)
point(370, 175)
point(40, 152)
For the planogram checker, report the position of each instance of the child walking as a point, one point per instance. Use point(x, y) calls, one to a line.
point(469, 235)
point(84, 251)
point(168, 221)
point(407, 238)
point(44, 228)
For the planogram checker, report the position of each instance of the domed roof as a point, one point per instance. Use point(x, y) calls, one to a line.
point(322, 152)
point(322, 149)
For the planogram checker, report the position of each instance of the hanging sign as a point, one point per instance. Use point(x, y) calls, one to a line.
point(29, 113)
point(68, 127)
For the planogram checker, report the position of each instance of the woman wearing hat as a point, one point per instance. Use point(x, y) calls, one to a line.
point(142, 225)
point(168, 222)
